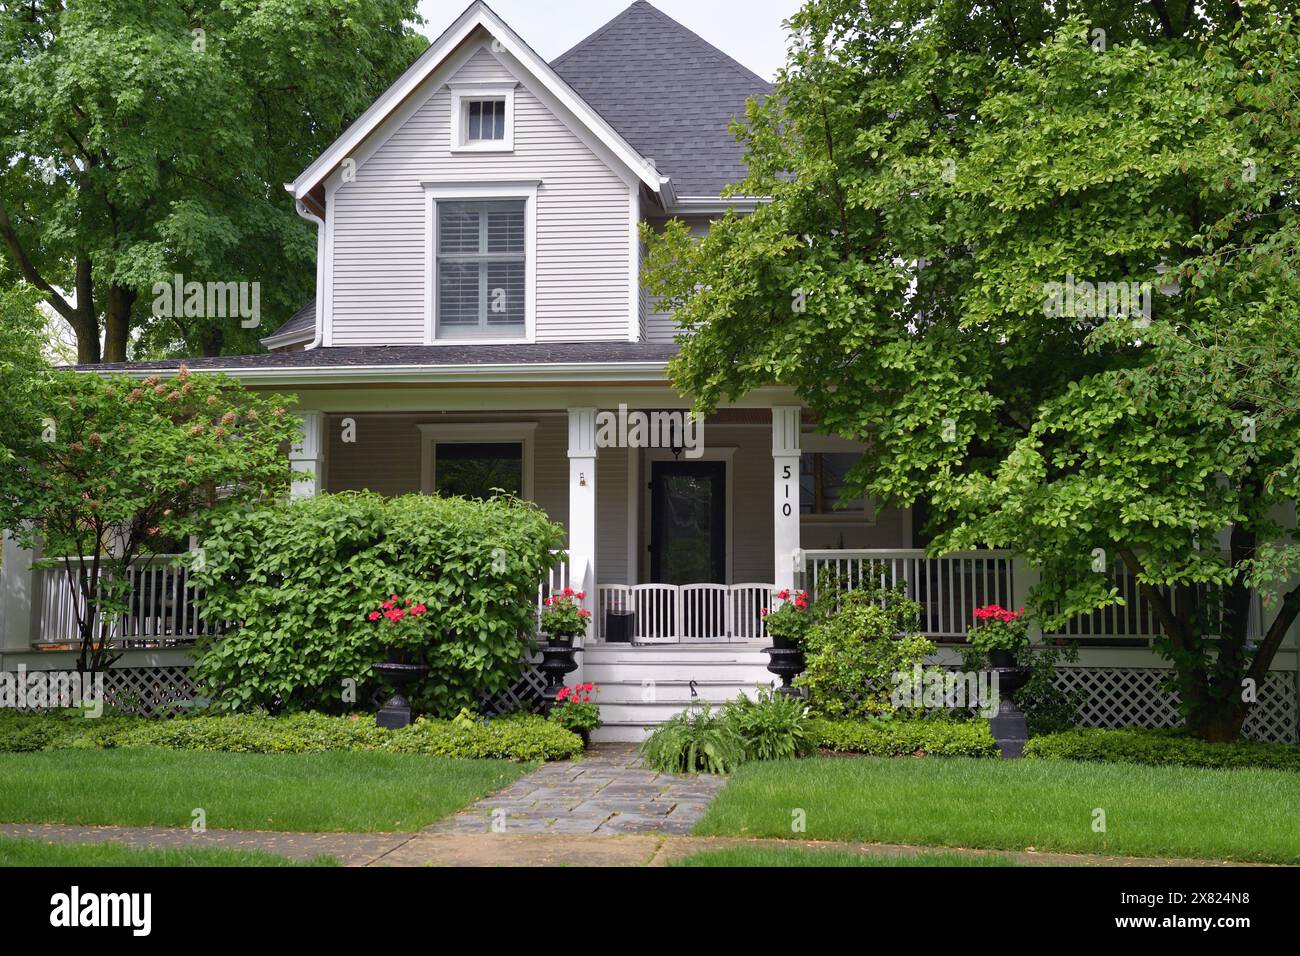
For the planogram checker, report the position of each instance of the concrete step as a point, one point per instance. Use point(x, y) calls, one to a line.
point(671, 691)
point(620, 733)
point(603, 672)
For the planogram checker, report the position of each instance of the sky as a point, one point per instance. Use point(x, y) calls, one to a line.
point(746, 30)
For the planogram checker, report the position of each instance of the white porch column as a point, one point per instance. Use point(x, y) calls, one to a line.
point(307, 456)
point(785, 493)
point(19, 600)
point(582, 506)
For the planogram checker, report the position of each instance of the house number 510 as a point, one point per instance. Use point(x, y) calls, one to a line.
point(786, 509)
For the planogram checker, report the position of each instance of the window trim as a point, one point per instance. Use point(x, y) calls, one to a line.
point(522, 433)
point(485, 191)
point(462, 92)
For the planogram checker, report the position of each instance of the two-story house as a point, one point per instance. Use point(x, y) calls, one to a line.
point(481, 321)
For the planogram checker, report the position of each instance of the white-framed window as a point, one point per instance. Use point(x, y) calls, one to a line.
point(481, 249)
point(823, 465)
point(477, 459)
point(482, 118)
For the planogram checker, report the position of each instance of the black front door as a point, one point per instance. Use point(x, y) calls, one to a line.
point(688, 517)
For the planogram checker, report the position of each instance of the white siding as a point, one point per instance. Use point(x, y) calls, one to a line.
point(660, 326)
point(378, 222)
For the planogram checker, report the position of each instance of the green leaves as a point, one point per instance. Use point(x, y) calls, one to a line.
point(297, 580)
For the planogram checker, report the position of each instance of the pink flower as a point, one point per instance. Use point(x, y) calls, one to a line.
point(374, 615)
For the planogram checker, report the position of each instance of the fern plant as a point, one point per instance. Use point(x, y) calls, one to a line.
point(693, 741)
point(773, 727)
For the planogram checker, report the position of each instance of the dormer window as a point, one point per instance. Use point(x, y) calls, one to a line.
point(482, 118)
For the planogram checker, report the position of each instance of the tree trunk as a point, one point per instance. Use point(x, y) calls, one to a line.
point(117, 323)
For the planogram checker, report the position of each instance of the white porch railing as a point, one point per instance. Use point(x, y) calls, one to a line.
point(664, 613)
point(948, 588)
point(161, 610)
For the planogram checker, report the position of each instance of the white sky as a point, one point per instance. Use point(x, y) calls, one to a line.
point(746, 30)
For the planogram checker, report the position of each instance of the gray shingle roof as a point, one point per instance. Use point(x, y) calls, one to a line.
point(668, 92)
point(304, 320)
point(595, 353)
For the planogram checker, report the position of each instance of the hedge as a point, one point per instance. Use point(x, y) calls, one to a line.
point(299, 579)
point(1160, 748)
point(902, 738)
point(527, 738)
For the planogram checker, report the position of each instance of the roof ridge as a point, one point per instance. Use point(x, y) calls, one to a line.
point(723, 59)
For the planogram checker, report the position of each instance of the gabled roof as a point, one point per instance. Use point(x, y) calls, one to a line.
point(299, 328)
point(669, 92)
point(477, 15)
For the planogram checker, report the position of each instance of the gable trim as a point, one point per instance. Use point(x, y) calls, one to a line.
point(477, 15)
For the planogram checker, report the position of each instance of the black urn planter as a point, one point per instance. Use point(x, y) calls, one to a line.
point(786, 662)
point(1008, 725)
point(559, 657)
point(398, 671)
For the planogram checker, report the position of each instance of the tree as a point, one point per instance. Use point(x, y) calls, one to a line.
point(1041, 262)
point(21, 371)
point(144, 139)
point(125, 466)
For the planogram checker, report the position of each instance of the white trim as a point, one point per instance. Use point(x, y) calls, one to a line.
point(521, 432)
point(318, 333)
point(480, 91)
point(634, 263)
point(476, 15)
point(487, 189)
point(287, 338)
point(723, 453)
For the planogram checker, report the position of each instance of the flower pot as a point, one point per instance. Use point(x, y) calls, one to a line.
point(784, 643)
point(398, 670)
point(558, 640)
point(1002, 658)
point(585, 734)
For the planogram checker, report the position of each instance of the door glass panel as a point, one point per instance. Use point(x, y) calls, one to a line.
point(687, 529)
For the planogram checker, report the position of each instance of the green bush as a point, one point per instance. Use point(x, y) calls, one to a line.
point(508, 738)
point(694, 740)
point(902, 738)
point(854, 650)
point(773, 727)
point(1160, 748)
point(297, 579)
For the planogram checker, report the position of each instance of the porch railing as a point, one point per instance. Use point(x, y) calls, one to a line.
point(947, 588)
point(160, 607)
point(687, 612)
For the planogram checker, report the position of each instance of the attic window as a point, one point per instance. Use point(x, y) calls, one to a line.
point(482, 118)
point(485, 120)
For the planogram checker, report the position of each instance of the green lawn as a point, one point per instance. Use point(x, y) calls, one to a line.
point(1048, 805)
point(798, 856)
point(14, 852)
point(305, 792)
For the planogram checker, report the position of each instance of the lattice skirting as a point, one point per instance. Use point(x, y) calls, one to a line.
point(524, 695)
point(149, 691)
point(1136, 697)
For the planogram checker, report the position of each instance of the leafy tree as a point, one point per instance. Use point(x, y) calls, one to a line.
point(21, 371)
point(141, 139)
point(124, 467)
point(940, 172)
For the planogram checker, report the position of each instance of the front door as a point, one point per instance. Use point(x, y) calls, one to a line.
point(688, 535)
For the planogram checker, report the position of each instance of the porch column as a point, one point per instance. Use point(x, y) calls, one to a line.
point(19, 602)
point(785, 493)
point(307, 456)
point(582, 506)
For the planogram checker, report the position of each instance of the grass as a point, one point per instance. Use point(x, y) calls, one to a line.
point(302, 792)
point(1173, 812)
point(18, 852)
point(798, 856)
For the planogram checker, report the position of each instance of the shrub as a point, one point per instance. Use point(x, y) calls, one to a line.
point(298, 579)
point(773, 727)
point(694, 740)
point(575, 710)
point(508, 738)
point(855, 648)
point(901, 738)
point(1160, 748)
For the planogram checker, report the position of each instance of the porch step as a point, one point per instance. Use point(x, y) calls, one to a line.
point(626, 673)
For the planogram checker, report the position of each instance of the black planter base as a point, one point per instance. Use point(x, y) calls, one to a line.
point(1008, 725)
point(786, 663)
point(396, 713)
point(558, 658)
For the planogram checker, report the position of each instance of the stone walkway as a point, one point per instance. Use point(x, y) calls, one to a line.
point(607, 792)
